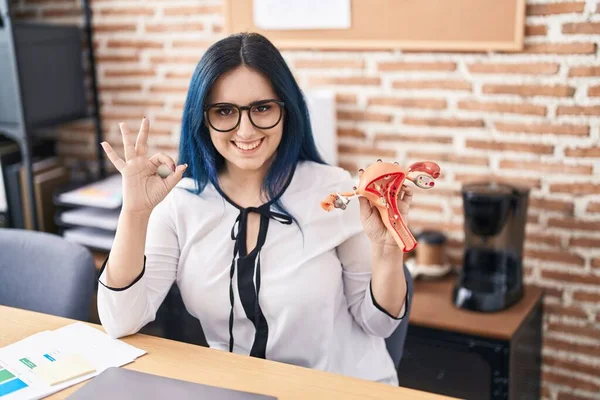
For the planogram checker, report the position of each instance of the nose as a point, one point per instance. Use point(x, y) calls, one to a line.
point(246, 129)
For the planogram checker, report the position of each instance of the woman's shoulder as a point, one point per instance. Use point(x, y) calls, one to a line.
point(310, 174)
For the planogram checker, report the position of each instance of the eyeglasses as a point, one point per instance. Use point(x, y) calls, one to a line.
point(263, 114)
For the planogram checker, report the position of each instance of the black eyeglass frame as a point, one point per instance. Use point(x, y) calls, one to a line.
point(247, 108)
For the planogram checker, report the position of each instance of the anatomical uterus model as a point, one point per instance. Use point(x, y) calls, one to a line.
point(381, 184)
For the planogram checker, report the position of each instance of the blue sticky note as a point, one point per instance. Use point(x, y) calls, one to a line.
point(12, 386)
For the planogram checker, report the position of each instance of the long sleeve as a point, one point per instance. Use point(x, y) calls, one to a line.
point(125, 311)
point(354, 253)
point(355, 256)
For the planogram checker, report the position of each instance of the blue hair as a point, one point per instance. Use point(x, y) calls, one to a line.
point(297, 142)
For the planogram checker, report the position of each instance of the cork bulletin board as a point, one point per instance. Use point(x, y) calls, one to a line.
point(430, 25)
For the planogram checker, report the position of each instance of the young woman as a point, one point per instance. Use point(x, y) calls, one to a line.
point(238, 226)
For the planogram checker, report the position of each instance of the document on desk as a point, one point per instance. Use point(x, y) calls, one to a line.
point(50, 361)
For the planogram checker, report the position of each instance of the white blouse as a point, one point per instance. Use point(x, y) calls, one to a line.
point(315, 306)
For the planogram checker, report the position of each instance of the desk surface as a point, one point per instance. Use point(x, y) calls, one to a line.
point(218, 368)
point(433, 308)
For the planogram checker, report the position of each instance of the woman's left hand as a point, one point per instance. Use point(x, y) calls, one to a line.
point(372, 223)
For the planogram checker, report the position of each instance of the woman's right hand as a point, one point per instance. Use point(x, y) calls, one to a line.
point(143, 188)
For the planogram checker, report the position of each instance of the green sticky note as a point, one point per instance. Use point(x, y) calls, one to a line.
point(27, 362)
point(5, 375)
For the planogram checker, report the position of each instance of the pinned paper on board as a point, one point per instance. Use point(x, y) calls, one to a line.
point(297, 15)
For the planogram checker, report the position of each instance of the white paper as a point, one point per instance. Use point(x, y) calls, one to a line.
point(92, 217)
point(323, 120)
point(107, 193)
point(95, 346)
point(302, 14)
point(91, 237)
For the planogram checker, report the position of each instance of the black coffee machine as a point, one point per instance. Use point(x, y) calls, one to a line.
point(492, 274)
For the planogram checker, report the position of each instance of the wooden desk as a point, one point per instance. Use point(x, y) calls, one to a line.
point(218, 368)
point(470, 354)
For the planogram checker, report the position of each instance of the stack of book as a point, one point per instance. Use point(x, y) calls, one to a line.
point(88, 214)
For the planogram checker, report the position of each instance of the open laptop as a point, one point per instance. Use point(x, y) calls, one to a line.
point(120, 383)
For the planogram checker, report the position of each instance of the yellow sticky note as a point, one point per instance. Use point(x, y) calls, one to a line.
point(65, 368)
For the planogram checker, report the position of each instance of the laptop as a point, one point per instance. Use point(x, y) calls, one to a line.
point(119, 383)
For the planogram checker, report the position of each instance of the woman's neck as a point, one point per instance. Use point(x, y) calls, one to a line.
point(244, 187)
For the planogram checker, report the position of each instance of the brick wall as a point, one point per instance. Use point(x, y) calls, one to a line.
point(531, 117)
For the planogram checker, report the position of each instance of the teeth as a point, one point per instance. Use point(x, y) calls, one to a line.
point(248, 146)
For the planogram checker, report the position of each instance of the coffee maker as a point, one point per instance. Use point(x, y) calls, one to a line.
point(495, 216)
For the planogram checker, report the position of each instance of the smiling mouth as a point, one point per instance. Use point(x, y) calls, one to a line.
point(247, 146)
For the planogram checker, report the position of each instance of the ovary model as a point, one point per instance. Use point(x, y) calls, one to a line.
point(381, 184)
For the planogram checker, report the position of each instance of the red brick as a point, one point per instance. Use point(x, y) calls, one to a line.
point(412, 138)
point(446, 227)
point(575, 188)
point(588, 297)
point(366, 151)
point(530, 90)
point(335, 64)
point(570, 381)
point(172, 59)
point(168, 88)
point(450, 158)
point(543, 128)
point(594, 91)
point(536, 30)
point(573, 223)
point(342, 98)
point(582, 28)
point(433, 104)
point(433, 84)
point(191, 44)
point(555, 8)
point(583, 152)
point(62, 12)
point(552, 167)
point(429, 208)
point(174, 27)
point(571, 396)
point(444, 122)
point(544, 238)
point(126, 11)
point(578, 110)
point(134, 43)
point(570, 365)
point(355, 133)
point(585, 349)
point(138, 102)
point(129, 87)
point(509, 108)
point(560, 48)
point(562, 257)
point(352, 80)
point(585, 71)
point(469, 178)
point(116, 58)
point(21, 15)
point(348, 166)
point(192, 10)
point(179, 75)
point(593, 207)
point(510, 146)
point(512, 68)
point(114, 27)
point(129, 73)
point(566, 207)
point(364, 116)
point(585, 242)
point(596, 262)
point(557, 309)
point(416, 66)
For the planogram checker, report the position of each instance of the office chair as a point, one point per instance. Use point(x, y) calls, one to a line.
point(45, 273)
point(395, 342)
